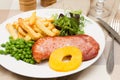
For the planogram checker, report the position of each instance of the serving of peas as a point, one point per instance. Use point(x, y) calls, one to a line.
point(19, 49)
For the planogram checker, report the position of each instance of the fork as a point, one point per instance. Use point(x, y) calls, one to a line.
point(115, 24)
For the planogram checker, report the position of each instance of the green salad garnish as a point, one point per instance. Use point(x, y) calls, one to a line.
point(70, 24)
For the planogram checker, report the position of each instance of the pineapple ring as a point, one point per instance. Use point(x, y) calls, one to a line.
point(56, 59)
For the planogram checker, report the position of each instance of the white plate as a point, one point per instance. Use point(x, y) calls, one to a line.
point(43, 70)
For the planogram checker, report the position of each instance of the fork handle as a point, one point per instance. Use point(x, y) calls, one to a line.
point(110, 60)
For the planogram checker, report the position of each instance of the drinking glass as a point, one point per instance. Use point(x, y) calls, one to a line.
point(99, 11)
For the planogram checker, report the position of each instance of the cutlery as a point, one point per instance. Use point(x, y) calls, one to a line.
point(110, 60)
point(110, 30)
point(115, 24)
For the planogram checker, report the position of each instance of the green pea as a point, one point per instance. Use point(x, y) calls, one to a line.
point(21, 46)
point(22, 57)
point(24, 52)
point(27, 60)
point(12, 54)
point(10, 38)
point(5, 52)
point(3, 45)
point(2, 52)
point(26, 56)
point(32, 62)
point(29, 45)
point(19, 49)
point(29, 52)
point(14, 48)
point(17, 57)
point(30, 56)
point(17, 46)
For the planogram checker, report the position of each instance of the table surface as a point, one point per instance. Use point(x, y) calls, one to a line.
point(7, 10)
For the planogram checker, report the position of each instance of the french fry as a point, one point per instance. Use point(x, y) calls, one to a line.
point(20, 36)
point(36, 29)
point(41, 26)
point(32, 18)
point(33, 27)
point(12, 31)
point(16, 25)
point(42, 19)
point(27, 19)
point(46, 23)
point(57, 32)
point(51, 19)
point(27, 37)
point(21, 31)
point(50, 26)
point(28, 29)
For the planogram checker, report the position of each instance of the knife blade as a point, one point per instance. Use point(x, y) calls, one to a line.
point(110, 30)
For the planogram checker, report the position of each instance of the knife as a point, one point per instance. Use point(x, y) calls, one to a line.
point(114, 35)
point(110, 30)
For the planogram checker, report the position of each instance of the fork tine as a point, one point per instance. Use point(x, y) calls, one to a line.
point(119, 28)
point(112, 23)
point(115, 23)
point(119, 23)
point(116, 26)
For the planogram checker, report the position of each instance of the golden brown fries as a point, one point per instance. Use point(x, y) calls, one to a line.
point(12, 31)
point(20, 36)
point(42, 27)
point(32, 18)
point(27, 37)
point(28, 29)
point(32, 28)
point(21, 31)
